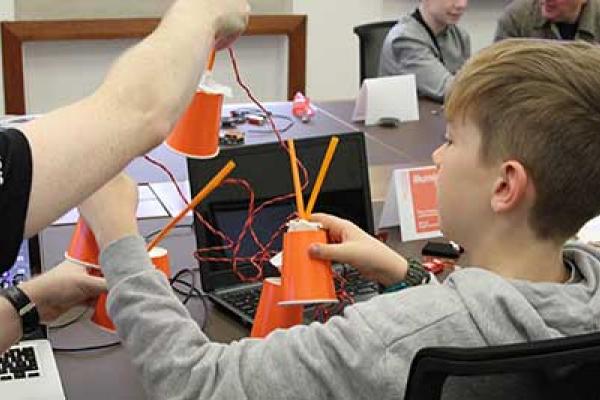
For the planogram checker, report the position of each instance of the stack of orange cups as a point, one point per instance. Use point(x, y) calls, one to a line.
point(305, 280)
point(160, 259)
point(269, 314)
point(83, 249)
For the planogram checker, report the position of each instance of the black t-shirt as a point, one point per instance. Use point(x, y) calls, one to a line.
point(15, 187)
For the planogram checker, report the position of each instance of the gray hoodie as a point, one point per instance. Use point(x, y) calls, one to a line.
point(365, 354)
point(408, 49)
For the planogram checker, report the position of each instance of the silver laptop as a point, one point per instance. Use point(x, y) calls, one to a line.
point(28, 369)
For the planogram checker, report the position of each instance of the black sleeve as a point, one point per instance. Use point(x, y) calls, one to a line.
point(15, 187)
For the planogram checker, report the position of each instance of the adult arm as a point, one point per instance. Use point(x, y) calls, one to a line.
point(53, 292)
point(79, 147)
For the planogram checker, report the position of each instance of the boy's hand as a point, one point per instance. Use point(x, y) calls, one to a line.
point(353, 246)
point(111, 211)
point(62, 288)
point(231, 19)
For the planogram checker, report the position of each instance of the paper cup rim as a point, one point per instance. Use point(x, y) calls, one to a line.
point(157, 252)
point(181, 153)
point(82, 263)
point(274, 280)
point(307, 301)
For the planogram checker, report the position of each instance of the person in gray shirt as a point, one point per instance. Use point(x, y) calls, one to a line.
point(517, 178)
point(429, 44)
point(559, 19)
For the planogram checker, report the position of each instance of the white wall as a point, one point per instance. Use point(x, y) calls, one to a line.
point(57, 73)
point(69, 9)
point(332, 59)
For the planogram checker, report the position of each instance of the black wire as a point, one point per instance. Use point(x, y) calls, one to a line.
point(155, 232)
point(286, 128)
point(259, 112)
point(83, 349)
point(76, 319)
point(193, 292)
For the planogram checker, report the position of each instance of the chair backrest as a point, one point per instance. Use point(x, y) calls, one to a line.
point(371, 37)
point(561, 368)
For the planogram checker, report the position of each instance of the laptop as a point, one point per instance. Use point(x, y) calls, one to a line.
point(345, 193)
point(28, 369)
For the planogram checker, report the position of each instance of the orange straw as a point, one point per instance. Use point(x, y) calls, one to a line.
point(210, 186)
point(211, 59)
point(296, 179)
point(322, 174)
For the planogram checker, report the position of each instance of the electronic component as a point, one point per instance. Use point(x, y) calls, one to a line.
point(228, 122)
point(230, 137)
point(443, 250)
point(255, 119)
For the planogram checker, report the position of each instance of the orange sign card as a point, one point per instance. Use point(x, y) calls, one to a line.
point(424, 199)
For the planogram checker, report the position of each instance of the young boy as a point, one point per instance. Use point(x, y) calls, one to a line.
point(518, 176)
point(429, 44)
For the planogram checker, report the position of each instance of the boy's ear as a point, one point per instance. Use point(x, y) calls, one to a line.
point(511, 187)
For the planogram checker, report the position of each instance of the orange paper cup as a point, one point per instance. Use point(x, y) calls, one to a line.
point(160, 259)
point(305, 280)
point(100, 316)
point(196, 135)
point(270, 315)
point(83, 248)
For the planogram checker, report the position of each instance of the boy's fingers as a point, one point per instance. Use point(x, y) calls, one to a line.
point(334, 225)
point(95, 285)
point(326, 251)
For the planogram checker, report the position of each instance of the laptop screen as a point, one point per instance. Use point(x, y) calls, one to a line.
point(266, 167)
point(26, 265)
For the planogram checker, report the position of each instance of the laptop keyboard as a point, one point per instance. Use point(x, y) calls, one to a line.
point(246, 301)
point(356, 286)
point(19, 363)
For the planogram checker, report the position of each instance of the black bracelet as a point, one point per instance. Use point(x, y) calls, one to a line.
point(30, 319)
point(416, 275)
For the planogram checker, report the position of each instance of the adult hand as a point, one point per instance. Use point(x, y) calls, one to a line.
point(231, 19)
point(351, 245)
point(111, 211)
point(63, 287)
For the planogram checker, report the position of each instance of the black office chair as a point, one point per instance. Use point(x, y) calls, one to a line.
point(371, 37)
point(566, 368)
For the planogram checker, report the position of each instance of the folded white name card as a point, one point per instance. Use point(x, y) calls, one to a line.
point(387, 97)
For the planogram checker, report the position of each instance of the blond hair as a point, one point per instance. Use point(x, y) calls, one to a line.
point(538, 102)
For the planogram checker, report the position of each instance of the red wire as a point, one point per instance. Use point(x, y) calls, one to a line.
point(264, 253)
